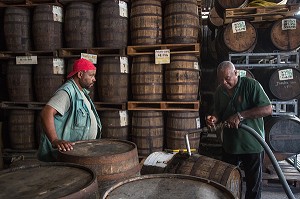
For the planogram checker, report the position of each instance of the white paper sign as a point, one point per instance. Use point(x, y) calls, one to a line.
point(242, 73)
point(286, 74)
point(162, 56)
point(289, 24)
point(123, 9)
point(198, 123)
point(90, 57)
point(57, 13)
point(239, 26)
point(58, 66)
point(26, 60)
point(123, 118)
point(124, 68)
point(196, 65)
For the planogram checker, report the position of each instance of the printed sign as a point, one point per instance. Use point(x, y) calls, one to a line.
point(289, 24)
point(162, 56)
point(239, 26)
point(242, 73)
point(286, 74)
point(57, 13)
point(26, 60)
point(124, 68)
point(123, 9)
point(198, 123)
point(90, 57)
point(58, 66)
point(123, 118)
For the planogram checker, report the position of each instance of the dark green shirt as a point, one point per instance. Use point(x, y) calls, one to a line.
point(248, 94)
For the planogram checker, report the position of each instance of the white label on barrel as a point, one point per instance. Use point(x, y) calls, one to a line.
point(286, 74)
point(239, 26)
point(58, 66)
point(26, 60)
point(124, 68)
point(242, 73)
point(123, 9)
point(90, 57)
point(159, 159)
point(123, 118)
point(196, 65)
point(162, 56)
point(198, 123)
point(57, 13)
point(289, 24)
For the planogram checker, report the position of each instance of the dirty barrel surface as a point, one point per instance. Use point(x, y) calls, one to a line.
point(51, 180)
point(168, 186)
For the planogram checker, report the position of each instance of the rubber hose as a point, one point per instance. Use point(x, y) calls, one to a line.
point(274, 162)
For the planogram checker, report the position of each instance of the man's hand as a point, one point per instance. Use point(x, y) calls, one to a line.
point(62, 145)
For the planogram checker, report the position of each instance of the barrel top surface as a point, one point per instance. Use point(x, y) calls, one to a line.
point(102, 147)
point(167, 186)
point(47, 181)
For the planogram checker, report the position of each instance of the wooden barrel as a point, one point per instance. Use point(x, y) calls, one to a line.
point(196, 165)
point(115, 124)
point(79, 25)
point(181, 21)
point(112, 160)
point(214, 21)
point(21, 129)
point(282, 134)
point(19, 82)
point(146, 22)
point(182, 78)
point(17, 28)
point(49, 75)
point(146, 79)
point(178, 124)
point(285, 33)
point(222, 5)
point(47, 27)
point(148, 131)
point(236, 37)
point(112, 24)
point(168, 186)
point(113, 76)
point(51, 180)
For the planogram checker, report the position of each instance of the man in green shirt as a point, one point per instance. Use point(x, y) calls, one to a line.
point(241, 99)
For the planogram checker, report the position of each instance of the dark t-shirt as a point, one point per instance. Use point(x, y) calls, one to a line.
point(247, 94)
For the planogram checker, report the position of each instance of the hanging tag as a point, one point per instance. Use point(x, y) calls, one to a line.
point(58, 66)
point(162, 56)
point(124, 68)
point(90, 57)
point(123, 118)
point(57, 13)
point(123, 9)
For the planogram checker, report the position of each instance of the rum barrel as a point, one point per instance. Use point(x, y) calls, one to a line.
point(182, 78)
point(47, 24)
point(49, 75)
point(112, 160)
point(181, 21)
point(148, 131)
point(146, 22)
point(113, 76)
point(112, 24)
point(196, 165)
point(168, 186)
point(79, 25)
point(51, 180)
point(282, 133)
point(146, 79)
point(115, 124)
point(17, 28)
point(19, 82)
point(21, 129)
point(178, 124)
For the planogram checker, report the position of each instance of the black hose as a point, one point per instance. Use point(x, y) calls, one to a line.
point(274, 162)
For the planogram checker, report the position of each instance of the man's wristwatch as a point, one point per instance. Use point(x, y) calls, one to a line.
point(241, 118)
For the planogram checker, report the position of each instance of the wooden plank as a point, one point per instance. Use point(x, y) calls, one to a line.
point(11, 54)
point(106, 106)
point(174, 49)
point(22, 105)
point(100, 52)
point(164, 106)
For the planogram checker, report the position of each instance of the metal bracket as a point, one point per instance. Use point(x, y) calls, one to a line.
point(285, 107)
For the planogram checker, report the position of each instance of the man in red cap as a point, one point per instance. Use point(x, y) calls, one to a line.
point(70, 114)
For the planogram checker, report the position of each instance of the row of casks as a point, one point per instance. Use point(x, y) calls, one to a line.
point(77, 24)
point(150, 130)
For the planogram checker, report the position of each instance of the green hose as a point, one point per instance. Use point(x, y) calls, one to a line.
point(274, 162)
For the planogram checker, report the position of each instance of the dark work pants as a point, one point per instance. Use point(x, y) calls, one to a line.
point(252, 166)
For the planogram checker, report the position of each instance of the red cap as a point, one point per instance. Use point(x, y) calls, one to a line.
point(81, 64)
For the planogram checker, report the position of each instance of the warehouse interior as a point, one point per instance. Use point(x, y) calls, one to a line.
point(155, 83)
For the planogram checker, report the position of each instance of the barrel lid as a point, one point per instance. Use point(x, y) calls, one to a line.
point(101, 147)
point(167, 186)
